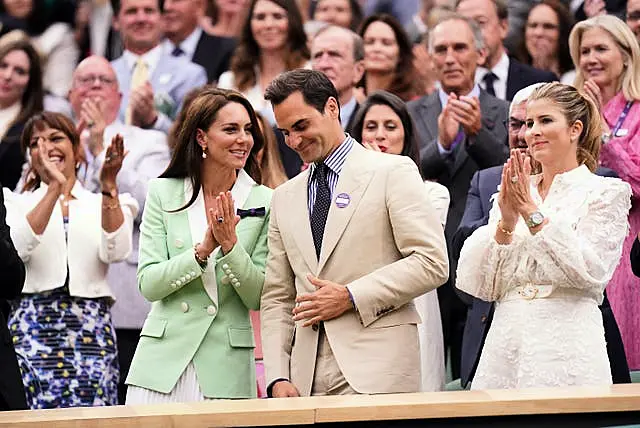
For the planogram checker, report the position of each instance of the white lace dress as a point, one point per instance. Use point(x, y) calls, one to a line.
point(547, 328)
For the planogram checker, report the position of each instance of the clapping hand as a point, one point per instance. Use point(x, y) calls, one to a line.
point(224, 220)
point(143, 109)
point(49, 172)
point(92, 119)
point(112, 163)
point(448, 126)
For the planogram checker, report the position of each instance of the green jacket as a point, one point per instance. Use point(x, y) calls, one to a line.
point(185, 324)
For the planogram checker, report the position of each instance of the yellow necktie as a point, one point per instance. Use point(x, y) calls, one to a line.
point(140, 76)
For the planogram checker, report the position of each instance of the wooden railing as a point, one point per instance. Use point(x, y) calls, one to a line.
point(614, 401)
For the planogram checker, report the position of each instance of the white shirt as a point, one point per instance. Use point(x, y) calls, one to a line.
point(188, 45)
point(7, 116)
point(151, 58)
point(346, 111)
point(501, 70)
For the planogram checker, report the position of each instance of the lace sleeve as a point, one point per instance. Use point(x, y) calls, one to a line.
point(583, 253)
point(485, 267)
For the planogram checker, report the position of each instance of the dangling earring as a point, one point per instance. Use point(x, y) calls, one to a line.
point(204, 153)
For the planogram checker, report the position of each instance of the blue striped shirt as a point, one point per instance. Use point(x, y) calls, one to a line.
point(335, 162)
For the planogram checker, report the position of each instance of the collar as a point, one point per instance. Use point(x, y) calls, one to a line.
point(475, 92)
point(346, 111)
point(419, 23)
point(188, 45)
point(501, 69)
point(576, 175)
point(335, 161)
point(77, 191)
point(151, 57)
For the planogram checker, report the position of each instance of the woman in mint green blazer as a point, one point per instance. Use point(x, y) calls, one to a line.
point(202, 261)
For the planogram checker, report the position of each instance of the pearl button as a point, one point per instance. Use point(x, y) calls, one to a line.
point(211, 310)
point(228, 271)
point(184, 306)
point(187, 277)
point(225, 266)
point(178, 282)
point(183, 279)
point(232, 276)
point(111, 246)
point(193, 274)
point(173, 285)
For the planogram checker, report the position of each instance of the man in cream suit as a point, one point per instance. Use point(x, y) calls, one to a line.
point(337, 310)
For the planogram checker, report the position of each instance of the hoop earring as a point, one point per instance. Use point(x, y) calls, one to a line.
point(204, 153)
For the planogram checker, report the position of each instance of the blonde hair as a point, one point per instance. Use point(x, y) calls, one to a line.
point(626, 42)
point(576, 107)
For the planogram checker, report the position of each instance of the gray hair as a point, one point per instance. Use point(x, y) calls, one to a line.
point(358, 43)
point(475, 29)
point(523, 95)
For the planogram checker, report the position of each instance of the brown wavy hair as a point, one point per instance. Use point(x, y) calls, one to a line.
point(271, 167)
point(33, 97)
point(201, 112)
point(405, 83)
point(576, 107)
point(247, 53)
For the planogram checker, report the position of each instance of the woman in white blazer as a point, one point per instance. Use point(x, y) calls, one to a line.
point(66, 237)
point(383, 124)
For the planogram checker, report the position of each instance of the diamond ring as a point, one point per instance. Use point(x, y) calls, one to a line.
point(514, 179)
point(220, 219)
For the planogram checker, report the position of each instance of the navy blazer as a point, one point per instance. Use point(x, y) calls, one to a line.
point(480, 313)
point(522, 75)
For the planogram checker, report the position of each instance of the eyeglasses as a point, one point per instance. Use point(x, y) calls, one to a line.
point(634, 16)
point(514, 124)
point(90, 79)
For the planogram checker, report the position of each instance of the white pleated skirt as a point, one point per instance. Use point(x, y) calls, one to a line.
point(186, 390)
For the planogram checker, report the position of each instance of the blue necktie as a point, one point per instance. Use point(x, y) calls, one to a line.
point(320, 206)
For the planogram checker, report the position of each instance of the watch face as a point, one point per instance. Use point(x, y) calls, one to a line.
point(536, 218)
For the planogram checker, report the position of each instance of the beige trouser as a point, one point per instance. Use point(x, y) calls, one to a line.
point(328, 378)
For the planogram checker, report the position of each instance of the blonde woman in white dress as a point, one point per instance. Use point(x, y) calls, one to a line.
point(383, 124)
point(550, 248)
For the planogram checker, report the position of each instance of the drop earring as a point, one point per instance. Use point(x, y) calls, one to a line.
point(204, 153)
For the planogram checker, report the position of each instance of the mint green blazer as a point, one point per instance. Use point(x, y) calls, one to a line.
point(185, 325)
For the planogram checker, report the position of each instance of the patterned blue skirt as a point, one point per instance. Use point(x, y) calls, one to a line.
point(66, 350)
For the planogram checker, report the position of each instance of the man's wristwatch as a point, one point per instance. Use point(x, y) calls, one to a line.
point(535, 219)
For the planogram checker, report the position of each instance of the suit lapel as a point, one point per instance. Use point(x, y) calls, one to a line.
point(512, 75)
point(353, 182)
point(430, 110)
point(297, 197)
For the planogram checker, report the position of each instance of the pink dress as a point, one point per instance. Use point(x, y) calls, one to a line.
point(622, 154)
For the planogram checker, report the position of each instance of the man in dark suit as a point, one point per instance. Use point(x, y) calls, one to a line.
point(501, 76)
point(186, 39)
point(480, 313)
point(12, 272)
point(461, 129)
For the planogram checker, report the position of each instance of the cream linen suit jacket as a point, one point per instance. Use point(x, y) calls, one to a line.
point(387, 246)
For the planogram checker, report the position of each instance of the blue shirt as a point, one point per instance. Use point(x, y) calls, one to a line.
point(335, 161)
point(444, 99)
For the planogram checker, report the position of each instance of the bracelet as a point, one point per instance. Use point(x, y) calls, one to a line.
point(201, 262)
point(111, 207)
point(503, 230)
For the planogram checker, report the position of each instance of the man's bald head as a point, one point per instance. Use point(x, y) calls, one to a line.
point(94, 78)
